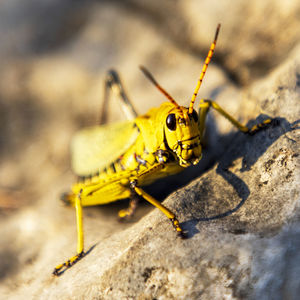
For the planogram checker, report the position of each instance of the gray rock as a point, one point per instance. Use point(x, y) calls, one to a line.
point(241, 214)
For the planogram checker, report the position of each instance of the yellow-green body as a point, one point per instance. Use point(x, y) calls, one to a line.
point(140, 158)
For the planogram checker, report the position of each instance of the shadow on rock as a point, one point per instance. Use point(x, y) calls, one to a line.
point(247, 148)
point(59, 273)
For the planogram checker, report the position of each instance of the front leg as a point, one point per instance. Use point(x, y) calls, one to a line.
point(162, 208)
point(204, 107)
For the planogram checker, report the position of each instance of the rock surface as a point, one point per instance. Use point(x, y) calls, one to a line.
point(242, 208)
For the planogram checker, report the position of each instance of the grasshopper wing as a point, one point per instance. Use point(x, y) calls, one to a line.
point(94, 148)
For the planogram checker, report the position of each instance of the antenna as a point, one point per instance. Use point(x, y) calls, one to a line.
point(151, 78)
point(207, 61)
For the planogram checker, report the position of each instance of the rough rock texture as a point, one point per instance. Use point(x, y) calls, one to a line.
point(241, 208)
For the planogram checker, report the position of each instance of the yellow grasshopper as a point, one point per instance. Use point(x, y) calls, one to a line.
point(113, 161)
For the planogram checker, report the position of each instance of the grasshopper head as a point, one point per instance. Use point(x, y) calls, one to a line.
point(181, 126)
point(182, 135)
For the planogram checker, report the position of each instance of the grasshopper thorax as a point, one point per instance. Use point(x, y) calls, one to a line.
point(182, 135)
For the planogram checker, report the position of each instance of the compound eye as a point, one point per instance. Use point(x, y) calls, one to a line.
point(171, 122)
point(195, 116)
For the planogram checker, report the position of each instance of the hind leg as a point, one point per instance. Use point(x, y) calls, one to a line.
point(114, 84)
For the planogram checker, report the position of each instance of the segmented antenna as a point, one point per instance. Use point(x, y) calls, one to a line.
point(151, 78)
point(207, 61)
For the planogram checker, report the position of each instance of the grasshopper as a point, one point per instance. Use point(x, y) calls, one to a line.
point(113, 161)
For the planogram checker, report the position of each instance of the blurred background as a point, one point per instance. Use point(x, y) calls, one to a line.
point(54, 55)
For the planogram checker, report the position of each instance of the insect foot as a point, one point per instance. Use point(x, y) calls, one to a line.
point(178, 229)
point(69, 263)
point(263, 125)
point(123, 215)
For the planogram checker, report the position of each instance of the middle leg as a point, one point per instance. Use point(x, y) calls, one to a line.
point(133, 204)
